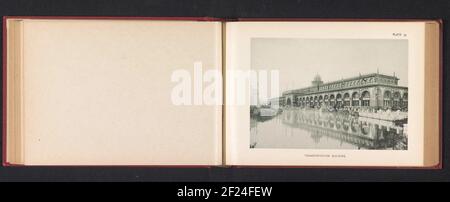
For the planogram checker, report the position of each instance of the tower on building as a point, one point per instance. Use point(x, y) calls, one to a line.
point(317, 81)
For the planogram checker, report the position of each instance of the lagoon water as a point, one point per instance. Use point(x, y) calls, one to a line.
point(313, 129)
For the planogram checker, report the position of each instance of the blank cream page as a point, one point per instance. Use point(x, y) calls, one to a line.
point(98, 92)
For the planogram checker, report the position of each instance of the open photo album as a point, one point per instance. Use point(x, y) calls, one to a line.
point(99, 91)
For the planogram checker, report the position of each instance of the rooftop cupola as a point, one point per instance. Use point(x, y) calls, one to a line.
point(317, 80)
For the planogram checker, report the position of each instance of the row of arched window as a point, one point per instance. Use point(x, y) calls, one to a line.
point(344, 99)
point(394, 99)
point(347, 99)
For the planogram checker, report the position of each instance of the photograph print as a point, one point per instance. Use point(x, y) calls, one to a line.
point(333, 94)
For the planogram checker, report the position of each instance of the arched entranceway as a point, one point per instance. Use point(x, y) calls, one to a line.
point(332, 100)
point(365, 99)
point(387, 96)
point(396, 100)
point(288, 102)
point(355, 99)
point(346, 99)
point(338, 100)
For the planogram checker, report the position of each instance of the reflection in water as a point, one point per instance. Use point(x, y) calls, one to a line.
point(313, 129)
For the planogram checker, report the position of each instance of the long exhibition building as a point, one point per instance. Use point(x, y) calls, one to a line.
point(373, 91)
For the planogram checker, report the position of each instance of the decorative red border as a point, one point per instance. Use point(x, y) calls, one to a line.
point(333, 20)
point(4, 107)
point(4, 162)
point(115, 18)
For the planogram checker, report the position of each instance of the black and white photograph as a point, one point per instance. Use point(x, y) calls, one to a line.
point(334, 94)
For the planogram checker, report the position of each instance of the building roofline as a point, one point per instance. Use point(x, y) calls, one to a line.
point(348, 79)
point(364, 75)
point(348, 88)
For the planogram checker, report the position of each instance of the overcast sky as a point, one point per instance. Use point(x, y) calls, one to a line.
point(299, 60)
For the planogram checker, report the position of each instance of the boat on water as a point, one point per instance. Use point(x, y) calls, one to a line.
point(264, 113)
point(268, 112)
